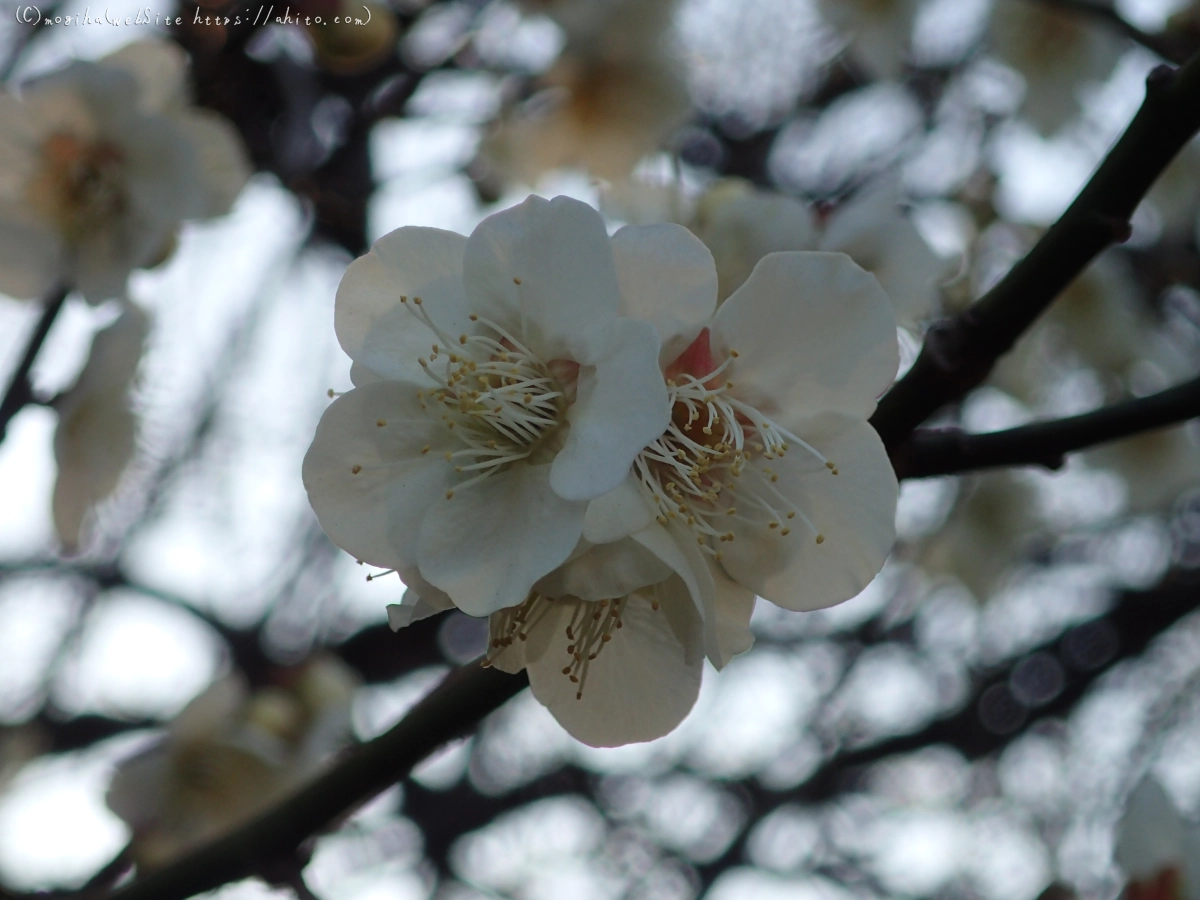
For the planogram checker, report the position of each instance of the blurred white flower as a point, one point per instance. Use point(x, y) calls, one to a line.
point(741, 225)
point(1158, 850)
point(880, 32)
point(1156, 466)
point(498, 391)
point(979, 542)
point(613, 96)
point(101, 163)
point(97, 429)
point(1056, 51)
point(227, 756)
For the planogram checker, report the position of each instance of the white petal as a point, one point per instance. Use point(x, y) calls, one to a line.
point(621, 406)
point(378, 331)
point(605, 571)
point(854, 510)
point(733, 607)
point(642, 683)
point(97, 429)
point(677, 548)
point(544, 271)
point(375, 513)
point(413, 608)
point(160, 70)
point(488, 544)
point(30, 253)
point(617, 514)
point(1151, 835)
point(224, 165)
point(873, 231)
point(668, 279)
point(815, 333)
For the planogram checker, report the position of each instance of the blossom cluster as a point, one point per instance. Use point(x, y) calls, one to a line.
point(563, 431)
point(103, 162)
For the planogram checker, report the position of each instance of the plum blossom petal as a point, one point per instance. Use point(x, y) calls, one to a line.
point(370, 483)
point(733, 606)
point(414, 607)
point(813, 333)
point(96, 434)
point(379, 332)
point(667, 278)
point(620, 407)
point(845, 527)
point(517, 530)
point(644, 681)
point(605, 571)
point(544, 269)
point(617, 514)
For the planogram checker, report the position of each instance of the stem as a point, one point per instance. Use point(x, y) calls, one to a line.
point(946, 451)
point(19, 390)
point(959, 352)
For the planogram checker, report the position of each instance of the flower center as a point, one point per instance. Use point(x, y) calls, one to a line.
point(711, 466)
point(81, 185)
point(592, 627)
point(494, 394)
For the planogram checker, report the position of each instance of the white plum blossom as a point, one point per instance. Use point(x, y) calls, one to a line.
point(1158, 850)
point(1056, 51)
point(769, 474)
point(733, 457)
point(99, 164)
point(621, 666)
point(880, 32)
point(498, 390)
point(97, 428)
point(228, 755)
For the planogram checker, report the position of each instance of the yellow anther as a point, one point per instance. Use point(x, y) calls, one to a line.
point(450, 495)
point(462, 338)
point(380, 423)
point(354, 470)
point(820, 538)
point(516, 280)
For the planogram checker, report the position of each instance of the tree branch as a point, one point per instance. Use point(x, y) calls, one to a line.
point(19, 390)
point(946, 451)
point(452, 709)
point(1162, 45)
point(959, 352)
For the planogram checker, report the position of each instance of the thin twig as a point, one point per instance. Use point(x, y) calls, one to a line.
point(19, 390)
point(455, 707)
point(946, 451)
point(959, 352)
point(1161, 45)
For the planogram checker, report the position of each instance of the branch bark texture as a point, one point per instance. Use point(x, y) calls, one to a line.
point(947, 451)
point(19, 390)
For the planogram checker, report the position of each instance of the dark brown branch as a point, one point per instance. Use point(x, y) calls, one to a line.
point(959, 352)
point(19, 390)
point(452, 709)
point(946, 451)
point(1162, 45)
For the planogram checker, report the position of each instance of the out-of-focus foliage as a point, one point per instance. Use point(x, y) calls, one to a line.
point(973, 723)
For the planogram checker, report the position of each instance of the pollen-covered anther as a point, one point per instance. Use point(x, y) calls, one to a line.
point(715, 447)
point(498, 398)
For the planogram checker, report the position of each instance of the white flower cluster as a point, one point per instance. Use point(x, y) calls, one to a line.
point(229, 754)
point(102, 162)
point(561, 430)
